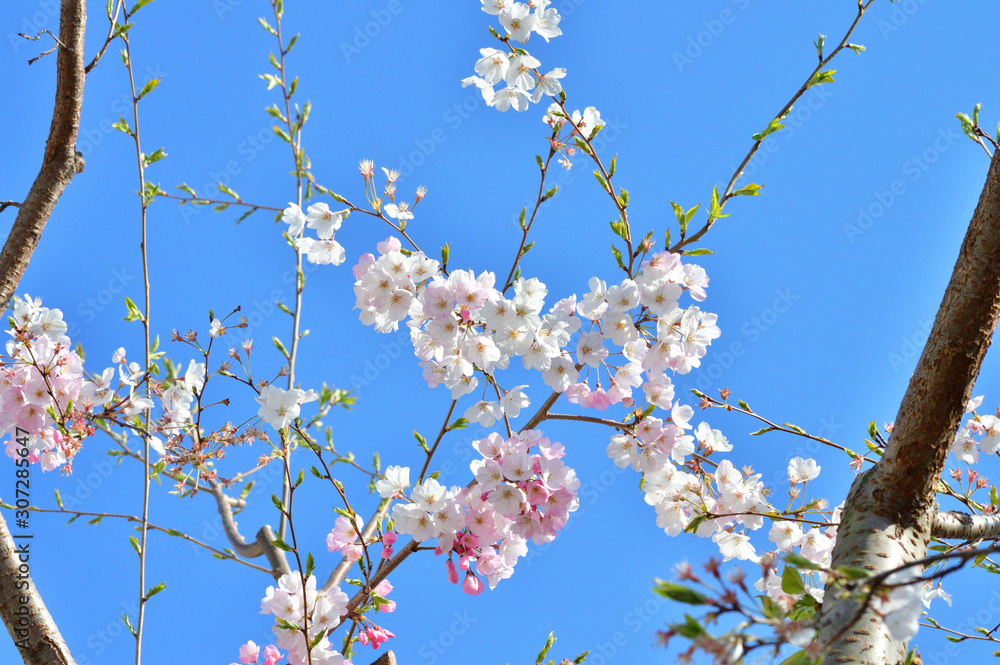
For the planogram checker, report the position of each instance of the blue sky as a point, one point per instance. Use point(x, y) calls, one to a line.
point(825, 286)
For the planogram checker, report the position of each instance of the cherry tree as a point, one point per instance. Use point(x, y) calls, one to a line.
point(837, 579)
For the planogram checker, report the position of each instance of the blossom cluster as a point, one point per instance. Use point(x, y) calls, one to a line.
point(979, 434)
point(517, 495)
point(250, 654)
point(461, 324)
point(517, 71)
point(323, 249)
point(291, 604)
point(42, 376)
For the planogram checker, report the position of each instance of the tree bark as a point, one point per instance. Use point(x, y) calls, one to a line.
point(28, 621)
point(61, 161)
point(963, 526)
point(890, 510)
point(22, 609)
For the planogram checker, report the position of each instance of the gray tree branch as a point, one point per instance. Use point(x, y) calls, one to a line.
point(263, 543)
point(963, 526)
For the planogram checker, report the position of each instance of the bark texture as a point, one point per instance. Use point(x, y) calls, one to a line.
point(890, 510)
point(22, 609)
point(963, 526)
point(61, 161)
point(28, 621)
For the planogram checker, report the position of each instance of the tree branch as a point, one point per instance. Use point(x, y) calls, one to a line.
point(932, 408)
point(25, 615)
point(44, 643)
point(61, 161)
point(890, 512)
point(261, 546)
point(966, 527)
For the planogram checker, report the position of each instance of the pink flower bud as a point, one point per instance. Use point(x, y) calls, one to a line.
point(452, 573)
point(472, 585)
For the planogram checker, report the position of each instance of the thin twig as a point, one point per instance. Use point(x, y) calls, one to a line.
point(728, 193)
point(35, 38)
point(119, 5)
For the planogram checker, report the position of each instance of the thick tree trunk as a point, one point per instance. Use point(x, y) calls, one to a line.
point(21, 606)
point(890, 511)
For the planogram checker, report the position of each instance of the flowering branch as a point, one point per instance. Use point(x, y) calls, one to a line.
point(587, 419)
point(294, 139)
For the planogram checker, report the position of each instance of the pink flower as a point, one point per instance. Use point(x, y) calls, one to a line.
point(383, 588)
point(271, 655)
point(598, 399)
point(452, 573)
point(249, 652)
point(389, 538)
